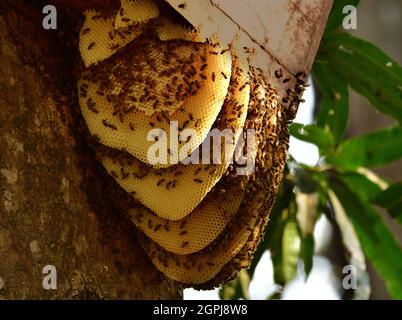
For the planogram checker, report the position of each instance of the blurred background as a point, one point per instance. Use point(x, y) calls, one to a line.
point(379, 22)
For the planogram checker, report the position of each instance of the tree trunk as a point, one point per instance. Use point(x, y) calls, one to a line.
point(57, 205)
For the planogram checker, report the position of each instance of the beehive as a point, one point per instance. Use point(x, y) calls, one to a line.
point(199, 223)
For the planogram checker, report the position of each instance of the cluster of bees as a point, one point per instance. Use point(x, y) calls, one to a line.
point(199, 223)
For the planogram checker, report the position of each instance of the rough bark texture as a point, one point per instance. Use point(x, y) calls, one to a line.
point(57, 206)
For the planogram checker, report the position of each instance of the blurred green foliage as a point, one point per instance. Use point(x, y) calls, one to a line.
point(341, 185)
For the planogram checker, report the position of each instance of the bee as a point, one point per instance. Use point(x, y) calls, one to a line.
point(278, 73)
point(300, 74)
point(85, 31)
point(182, 224)
point(109, 125)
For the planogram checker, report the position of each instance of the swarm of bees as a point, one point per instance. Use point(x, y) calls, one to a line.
point(198, 222)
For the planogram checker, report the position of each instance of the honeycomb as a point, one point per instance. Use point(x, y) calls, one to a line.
point(152, 93)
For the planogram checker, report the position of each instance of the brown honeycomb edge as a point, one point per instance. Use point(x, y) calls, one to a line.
point(244, 257)
point(268, 192)
point(265, 185)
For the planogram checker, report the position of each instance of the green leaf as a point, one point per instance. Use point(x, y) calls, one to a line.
point(290, 249)
point(274, 234)
point(275, 226)
point(334, 106)
point(396, 211)
point(231, 291)
point(307, 214)
point(391, 199)
point(336, 16)
point(275, 246)
point(307, 253)
point(370, 150)
point(313, 134)
point(353, 251)
point(367, 69)
point(364, 187)
point(237, 288)
point(377, 241)
point(390, 196)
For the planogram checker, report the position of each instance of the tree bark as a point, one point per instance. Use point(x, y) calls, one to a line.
point(57, 205)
